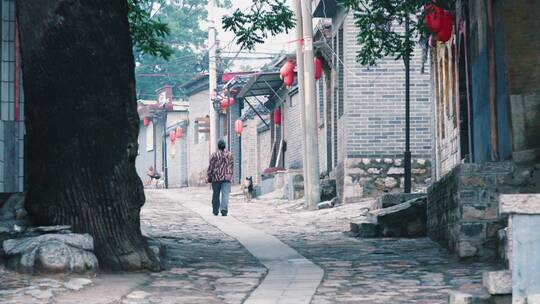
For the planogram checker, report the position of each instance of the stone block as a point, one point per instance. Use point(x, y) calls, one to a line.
point(364, 229)
point(404, 220)
point(473, 230)
point(472, 181)
point(392, 199)
point(520, 203)
point(457, 297)
point(479, 212)
point(498, 282)
point(356, 171)
point(386, 183)
point(52, 253)
point(396, 171)
point(374, 171)
point(466, 249)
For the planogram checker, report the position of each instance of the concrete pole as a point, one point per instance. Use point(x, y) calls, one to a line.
point(212, 77)
point(300, 67)
point(312, 129)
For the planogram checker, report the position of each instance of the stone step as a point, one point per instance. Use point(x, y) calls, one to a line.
point(392, 199)
point(364, 229)
point(404, 220)
point(498, 282)
point(478, 297)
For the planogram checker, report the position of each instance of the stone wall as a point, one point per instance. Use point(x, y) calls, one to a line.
point(363, 177)
point(463, 212)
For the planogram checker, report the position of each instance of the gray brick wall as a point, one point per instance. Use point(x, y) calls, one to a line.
point(293, 133)
point(375, 105)
point(249, 149)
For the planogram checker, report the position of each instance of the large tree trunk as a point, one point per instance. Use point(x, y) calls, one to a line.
point(82, 124)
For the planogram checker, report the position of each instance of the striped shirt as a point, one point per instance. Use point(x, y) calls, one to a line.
point(221, 166)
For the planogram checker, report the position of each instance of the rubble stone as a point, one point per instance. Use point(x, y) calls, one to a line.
point(52, 253)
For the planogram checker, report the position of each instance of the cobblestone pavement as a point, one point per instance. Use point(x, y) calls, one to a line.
point(361, 270)
point(204, 265)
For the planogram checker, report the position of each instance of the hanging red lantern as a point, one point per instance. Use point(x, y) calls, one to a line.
point(318, 68)
point(287, 69)
point(447, 26)
point(146, 121)
point(433, 17)
point(277, 116)
point(224, 104)
point(239, 127)
point(172, 136)
point(289, 80)
point(179, 133)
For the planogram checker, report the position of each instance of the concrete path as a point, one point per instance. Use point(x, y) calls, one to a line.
point(291, 278)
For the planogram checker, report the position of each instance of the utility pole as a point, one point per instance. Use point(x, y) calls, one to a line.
point(312, 140)
point(301, 89)
point(212, 77)
point(407, 155)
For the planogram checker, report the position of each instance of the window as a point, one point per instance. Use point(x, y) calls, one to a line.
point(150, 137)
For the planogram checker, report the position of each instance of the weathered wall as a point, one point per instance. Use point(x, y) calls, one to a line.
point(446, 125)
point(372, 177)
point(463, 208)
point(518, 23)
point(177, 153)
point(199, 149)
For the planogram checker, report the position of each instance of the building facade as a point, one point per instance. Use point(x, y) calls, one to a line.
point(486, 88)
point(12, 130)
point(362, 112)
point(157, 149)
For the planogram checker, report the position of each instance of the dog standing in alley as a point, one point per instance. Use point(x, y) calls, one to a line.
point(247, 189)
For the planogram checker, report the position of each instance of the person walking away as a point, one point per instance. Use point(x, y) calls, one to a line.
point(220, 173)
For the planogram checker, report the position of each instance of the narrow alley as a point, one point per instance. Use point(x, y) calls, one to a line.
point(206, 265)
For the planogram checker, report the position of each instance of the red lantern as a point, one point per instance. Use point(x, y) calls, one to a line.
point(433, 18)
point(289, 80)
point(224, 104)
point(318, 68)
point(146, 121)
point(277, 116)
point(239, 127)
point(179, 133)
point(172, 136)
point(287, 69)
point(447, 26)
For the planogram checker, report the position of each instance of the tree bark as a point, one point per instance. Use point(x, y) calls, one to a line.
point(82, 125)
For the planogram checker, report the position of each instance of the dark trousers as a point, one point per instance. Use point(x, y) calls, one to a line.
point(223, 189)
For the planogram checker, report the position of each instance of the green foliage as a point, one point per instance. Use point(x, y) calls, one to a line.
point(381, 25)
point(148, 33)
point(264, 18)
point(169, 42)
